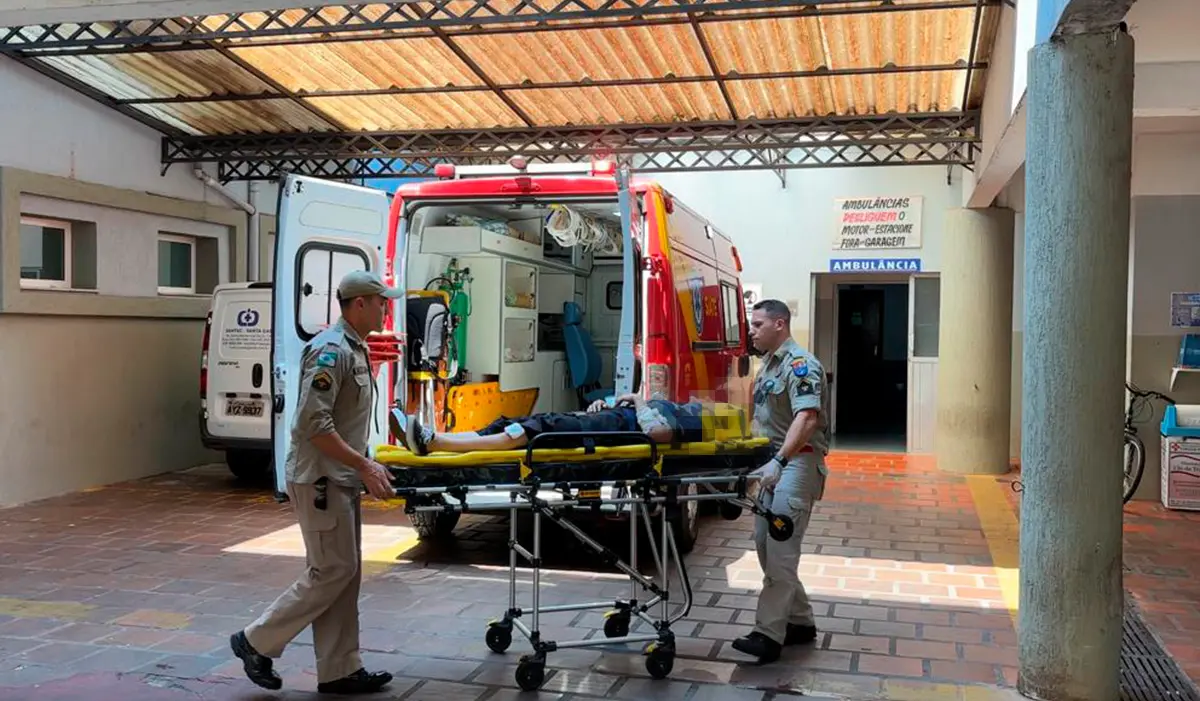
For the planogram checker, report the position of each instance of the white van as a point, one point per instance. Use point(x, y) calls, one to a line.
point(235, 378)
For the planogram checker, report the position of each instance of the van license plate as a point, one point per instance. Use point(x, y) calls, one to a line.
point(243, 407)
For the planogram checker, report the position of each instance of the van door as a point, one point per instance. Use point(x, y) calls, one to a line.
point(630, 278)
point(239, 355)
point(326, 230)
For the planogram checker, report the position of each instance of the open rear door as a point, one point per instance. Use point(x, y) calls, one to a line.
point(630, 278)
point(326, 229)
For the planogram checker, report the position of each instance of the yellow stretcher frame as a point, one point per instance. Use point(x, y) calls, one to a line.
point(646, 476)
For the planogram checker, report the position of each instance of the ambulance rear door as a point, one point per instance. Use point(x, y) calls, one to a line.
point(326, 229)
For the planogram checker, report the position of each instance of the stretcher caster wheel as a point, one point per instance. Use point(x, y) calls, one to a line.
point(499, 636)
point(531, 673)
point(616, 624)
point(730, 512)
point(780, 527)
point(660, 660)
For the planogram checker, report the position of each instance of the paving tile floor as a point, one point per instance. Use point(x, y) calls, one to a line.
point(134, 589)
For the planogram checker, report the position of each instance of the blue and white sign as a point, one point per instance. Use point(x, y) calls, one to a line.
point(875, 265)
point(1185, 310)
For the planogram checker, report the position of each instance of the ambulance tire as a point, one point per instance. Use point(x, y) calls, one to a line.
point(685, 521)
point(432, 525)
point(252, 466)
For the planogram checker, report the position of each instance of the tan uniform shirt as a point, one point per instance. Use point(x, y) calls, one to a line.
point(791, 380)
point(337, 393)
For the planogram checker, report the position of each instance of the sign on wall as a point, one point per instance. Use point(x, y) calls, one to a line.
point(877, 222)
point(1185, 310)
point(875, 265)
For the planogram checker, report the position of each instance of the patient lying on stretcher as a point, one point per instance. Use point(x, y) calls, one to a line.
point(661, 420)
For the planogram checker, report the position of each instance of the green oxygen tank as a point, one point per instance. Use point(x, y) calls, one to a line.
point(454, 282)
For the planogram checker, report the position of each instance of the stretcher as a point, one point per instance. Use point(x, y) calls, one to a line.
point(643, 477)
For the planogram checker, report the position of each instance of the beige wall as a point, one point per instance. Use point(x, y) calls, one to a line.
point(100, 385)
point(97, 401)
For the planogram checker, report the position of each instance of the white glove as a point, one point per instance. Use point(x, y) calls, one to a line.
point(768, 474)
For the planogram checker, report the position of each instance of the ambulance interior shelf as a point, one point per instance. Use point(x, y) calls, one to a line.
point(1188, 360)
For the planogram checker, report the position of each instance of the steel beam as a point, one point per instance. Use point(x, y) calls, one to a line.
point(931, 139)
point(354, 21)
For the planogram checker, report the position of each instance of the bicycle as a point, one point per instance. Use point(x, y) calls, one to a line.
point(1135, 455)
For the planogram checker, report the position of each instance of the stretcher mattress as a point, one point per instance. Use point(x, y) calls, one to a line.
point(594, 464)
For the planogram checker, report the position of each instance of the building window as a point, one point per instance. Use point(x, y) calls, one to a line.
point(45, 253)
point(176, 265)
point(926, 309)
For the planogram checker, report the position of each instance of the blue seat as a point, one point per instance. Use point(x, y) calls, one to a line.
point(583, 360)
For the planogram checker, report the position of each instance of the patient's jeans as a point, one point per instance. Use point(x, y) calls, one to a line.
point(783, 599)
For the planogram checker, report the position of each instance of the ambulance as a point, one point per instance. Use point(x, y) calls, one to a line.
point(529, 289)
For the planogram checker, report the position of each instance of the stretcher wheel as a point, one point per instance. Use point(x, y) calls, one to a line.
point(730, 511)
point(780, 527)
point(530, 674)
point(498, 637)
point(660, 660)
point(616, 624)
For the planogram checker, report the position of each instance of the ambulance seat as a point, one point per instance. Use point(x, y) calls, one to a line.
point(426, 318)
point(583, 360)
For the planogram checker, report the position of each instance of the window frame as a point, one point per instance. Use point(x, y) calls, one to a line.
point(41, 283)
point(190, 241)
point(727, 289)
point(298, 272)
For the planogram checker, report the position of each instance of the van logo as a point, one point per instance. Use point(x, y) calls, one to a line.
point(247, 317)
point(696, 285)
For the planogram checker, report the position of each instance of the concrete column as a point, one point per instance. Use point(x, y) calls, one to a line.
point(1077, 210)
point(974, 389)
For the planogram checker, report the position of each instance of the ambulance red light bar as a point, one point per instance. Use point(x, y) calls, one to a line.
point(604, 167)
point(444, 171)
point(519, 165)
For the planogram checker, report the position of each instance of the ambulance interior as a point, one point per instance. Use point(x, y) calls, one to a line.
point(534, 290)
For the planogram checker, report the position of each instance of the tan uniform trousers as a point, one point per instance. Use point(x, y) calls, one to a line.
point(326, 594)
point(783, 599)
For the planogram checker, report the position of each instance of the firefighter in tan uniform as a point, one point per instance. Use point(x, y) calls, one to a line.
point(791, 410)
point(327, 468)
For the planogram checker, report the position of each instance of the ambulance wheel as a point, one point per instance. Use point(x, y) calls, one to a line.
point(660, 661)
point(616, 624)
point(730, 511)
point(430, 525)
point(499, 636)
point(780, 527)
point(531, 673)
point(686, 520)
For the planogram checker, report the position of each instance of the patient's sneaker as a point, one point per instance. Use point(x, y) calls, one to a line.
point(398, 424)
point(417, 437)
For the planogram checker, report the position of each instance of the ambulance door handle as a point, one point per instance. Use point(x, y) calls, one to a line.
point(256, 375)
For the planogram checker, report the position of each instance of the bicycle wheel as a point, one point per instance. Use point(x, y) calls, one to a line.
point(1135, 461)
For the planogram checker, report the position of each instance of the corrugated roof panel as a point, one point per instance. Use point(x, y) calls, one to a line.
point(596, 54)
point(246, 117)
point(786, 98)
point(151, 75)
point(644, 104)
point(475, 110)
point(361, 65)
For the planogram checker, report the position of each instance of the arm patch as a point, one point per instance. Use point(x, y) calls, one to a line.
point(322, 380)
point(327, 358)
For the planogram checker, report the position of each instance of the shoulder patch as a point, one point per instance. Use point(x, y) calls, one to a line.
point(800, 367)
point(322, 380)
point(327, 358)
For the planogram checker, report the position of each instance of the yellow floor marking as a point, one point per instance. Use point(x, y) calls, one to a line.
point(149, 618)
point(380, 560)
point(1001, 530)
point(66, 610)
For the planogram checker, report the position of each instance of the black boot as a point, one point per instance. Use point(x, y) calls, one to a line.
point(758, 645)
point(800, 634)
point(259, 668)
point(360, 682)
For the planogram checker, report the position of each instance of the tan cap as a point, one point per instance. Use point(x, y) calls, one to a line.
point(362, 283)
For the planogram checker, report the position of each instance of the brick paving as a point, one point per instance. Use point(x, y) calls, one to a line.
point(147, 579)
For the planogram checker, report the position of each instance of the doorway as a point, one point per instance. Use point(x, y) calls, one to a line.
point(872, 366)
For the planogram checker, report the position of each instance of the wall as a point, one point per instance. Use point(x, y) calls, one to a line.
point(105, 386)
point(784, 234)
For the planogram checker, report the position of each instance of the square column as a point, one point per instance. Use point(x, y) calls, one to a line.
point(974, 390)
point(1077, 212)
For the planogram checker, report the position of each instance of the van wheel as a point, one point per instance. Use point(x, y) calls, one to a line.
point(249, 465)
point(431, 525)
